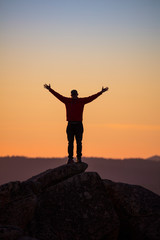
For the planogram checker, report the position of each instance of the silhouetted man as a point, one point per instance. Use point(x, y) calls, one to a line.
point(74, 111)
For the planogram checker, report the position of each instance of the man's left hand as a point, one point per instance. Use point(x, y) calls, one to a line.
point(104, 89)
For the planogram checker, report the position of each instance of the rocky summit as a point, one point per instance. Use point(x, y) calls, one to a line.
point(67, 203)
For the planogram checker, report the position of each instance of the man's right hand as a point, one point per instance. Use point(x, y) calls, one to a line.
point(47, 86)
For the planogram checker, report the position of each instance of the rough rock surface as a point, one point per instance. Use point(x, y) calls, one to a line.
point(53, 176)
point(67, 203)
point(10, 232)
point(16, 201)
point(27, 238)
point(138, 210)
point(79, 206)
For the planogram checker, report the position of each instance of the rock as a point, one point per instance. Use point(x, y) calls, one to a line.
point(18, 200)
point(17, 204)
point(77, 208)
point(27, 238)
point(138, 209)
point(68, 203)
point(7, 190)
point(10, 232)
point(53, 176)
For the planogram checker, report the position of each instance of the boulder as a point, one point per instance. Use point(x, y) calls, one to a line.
point(53, 176)
point(18, 199)
point(10, 232)
point(26, 238)
point(76, 208)
point(17, 204)
point(7, 191)
point(138, 210)
point(68, 203)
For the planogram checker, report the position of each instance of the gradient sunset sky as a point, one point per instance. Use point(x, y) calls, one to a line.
point(83, 45)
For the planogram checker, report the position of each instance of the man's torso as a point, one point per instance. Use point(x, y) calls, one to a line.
point(74, 108)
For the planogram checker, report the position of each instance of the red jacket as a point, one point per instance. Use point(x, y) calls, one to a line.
point(74, 107)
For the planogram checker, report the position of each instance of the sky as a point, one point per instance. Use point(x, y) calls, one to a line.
point(81, 45)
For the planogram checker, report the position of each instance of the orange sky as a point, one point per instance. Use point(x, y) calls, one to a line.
point(80, 48)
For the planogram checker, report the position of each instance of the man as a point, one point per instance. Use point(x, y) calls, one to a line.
point(74, 111)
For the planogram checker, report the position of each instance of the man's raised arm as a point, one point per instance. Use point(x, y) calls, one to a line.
point(56, 94)
point(94, 96)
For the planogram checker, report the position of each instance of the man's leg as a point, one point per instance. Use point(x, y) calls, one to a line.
point(79, 135)
point(70, 137)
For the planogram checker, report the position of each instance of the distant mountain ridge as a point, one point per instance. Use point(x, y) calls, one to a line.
point(144, 172)
point(154, 158)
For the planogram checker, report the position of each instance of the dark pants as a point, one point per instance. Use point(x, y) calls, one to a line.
point(74, 129)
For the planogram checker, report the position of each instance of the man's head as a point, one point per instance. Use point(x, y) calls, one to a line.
point(74, 93)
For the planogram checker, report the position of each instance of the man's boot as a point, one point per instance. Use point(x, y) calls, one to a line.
point(70, 160)
point(79, 160)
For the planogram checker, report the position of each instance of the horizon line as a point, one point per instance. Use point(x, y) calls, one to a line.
point(65, 157)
